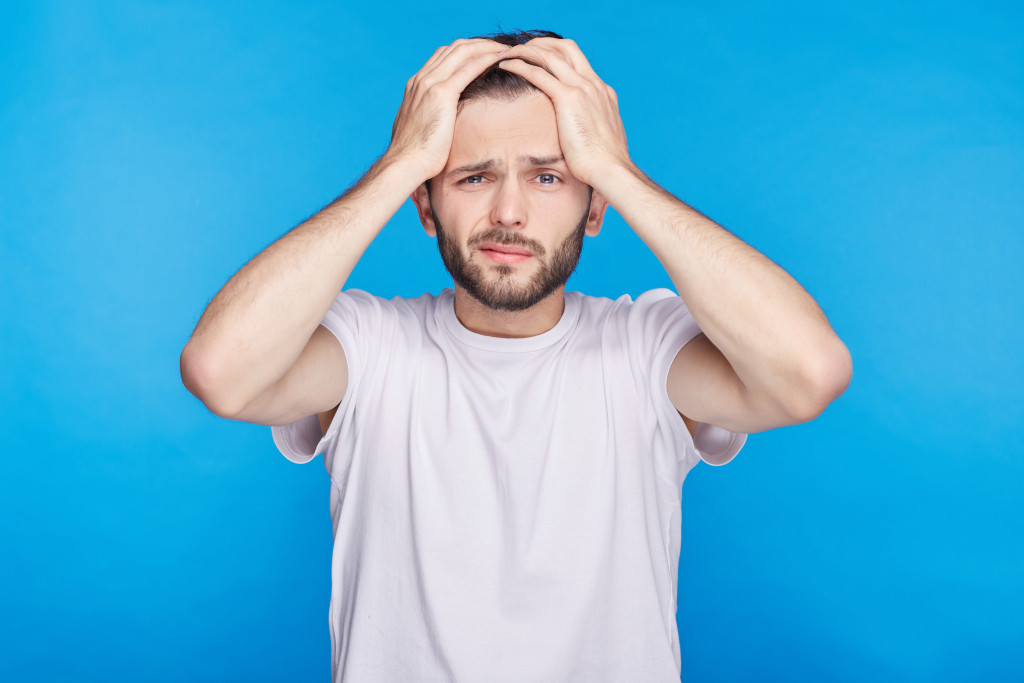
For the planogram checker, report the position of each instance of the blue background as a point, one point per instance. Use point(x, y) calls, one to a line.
point(873, 150)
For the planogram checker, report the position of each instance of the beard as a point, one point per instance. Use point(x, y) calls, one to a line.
point(504, 293)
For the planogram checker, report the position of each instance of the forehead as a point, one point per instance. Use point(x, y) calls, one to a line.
point(496, 129)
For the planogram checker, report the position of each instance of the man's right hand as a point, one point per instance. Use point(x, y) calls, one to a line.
point(259, 353)
point(425, 125)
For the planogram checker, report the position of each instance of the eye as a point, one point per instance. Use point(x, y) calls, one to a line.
point(470, 179)
point(552, 178)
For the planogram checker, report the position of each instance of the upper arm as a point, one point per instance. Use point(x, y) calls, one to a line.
point(314, 385)
point(703, 387)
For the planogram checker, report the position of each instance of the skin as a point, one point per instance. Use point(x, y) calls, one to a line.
point(514, 200)
point(767, 356)
point(259, 353)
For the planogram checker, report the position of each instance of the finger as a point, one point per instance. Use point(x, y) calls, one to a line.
point(460, 48)
point(438, 53)
point(461, 67)
point(464, 74)
point(571, 51)
point(448, 48)
point(551, 86)
point(552, 60)
point(434, 57)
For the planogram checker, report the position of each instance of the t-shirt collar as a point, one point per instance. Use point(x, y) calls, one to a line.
point(446, 311)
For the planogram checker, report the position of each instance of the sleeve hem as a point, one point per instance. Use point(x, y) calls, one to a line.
point(303, 440)
point(708, 434)
point(718, 446)
point(292, 439)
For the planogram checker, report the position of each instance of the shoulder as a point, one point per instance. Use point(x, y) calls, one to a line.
point(367, 324)
point(649, 302)
point(364, 305)
point(651, 316)
point(655, 301)
point(591, 307)
point(625, 303)
point(364, 299)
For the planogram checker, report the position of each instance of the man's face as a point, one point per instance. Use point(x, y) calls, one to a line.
point(506, 189)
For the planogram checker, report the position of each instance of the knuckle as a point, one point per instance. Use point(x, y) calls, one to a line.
point(438, 94)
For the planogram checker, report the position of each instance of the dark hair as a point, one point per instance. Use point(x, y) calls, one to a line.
point(498, 83)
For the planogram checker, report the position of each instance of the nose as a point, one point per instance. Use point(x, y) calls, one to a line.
point(509, 207)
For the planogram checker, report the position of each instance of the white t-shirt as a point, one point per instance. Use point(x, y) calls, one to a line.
point(506, 509)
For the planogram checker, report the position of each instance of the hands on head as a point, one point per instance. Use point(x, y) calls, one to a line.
point(590, 130)
point(425, 123)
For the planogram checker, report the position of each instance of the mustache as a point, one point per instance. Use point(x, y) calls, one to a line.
point(509, 238)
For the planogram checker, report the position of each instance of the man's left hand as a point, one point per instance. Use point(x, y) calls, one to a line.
point(590, 130)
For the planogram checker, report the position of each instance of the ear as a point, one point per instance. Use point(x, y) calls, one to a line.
point(421, 201)
point(598, 205)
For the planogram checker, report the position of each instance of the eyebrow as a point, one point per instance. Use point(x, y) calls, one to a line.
point(528, 161)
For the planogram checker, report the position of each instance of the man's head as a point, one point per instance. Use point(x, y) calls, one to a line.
point(505, 187)
point(497, 83)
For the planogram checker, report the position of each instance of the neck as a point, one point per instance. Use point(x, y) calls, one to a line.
point(530, 322)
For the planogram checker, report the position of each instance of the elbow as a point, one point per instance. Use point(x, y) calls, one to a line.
point(827, 379)
point(201, 376)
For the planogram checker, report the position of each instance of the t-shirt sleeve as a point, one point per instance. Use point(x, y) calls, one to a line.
point(661, 324)
point(353, 317)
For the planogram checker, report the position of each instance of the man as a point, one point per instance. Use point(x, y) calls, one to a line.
point(506, 458)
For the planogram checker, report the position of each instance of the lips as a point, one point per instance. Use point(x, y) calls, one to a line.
point(505, 249)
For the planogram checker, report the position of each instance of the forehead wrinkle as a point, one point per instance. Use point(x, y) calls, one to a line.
point(525, 161)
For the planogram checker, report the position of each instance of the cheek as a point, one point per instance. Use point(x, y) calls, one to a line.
point(461, 206)
point(566, 211)
point(448, 213)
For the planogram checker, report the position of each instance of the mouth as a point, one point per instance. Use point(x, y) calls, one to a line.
point(505, 253)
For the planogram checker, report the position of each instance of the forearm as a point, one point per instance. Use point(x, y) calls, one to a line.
point(772, 332)
point(255, 328)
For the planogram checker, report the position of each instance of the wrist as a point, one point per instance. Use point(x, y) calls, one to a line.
point(404, 169)
point(618, 182)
